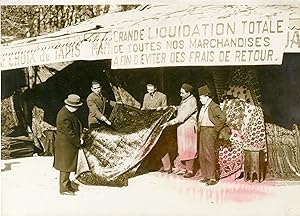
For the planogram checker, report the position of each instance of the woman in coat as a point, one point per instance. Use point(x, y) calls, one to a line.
point(186, 131)
point(67, 143)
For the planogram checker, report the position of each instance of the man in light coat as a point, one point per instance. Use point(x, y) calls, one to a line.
point(67, 143)
point(186, 133)
point(154, 99)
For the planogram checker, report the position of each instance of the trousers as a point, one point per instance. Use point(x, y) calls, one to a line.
point(64, 181)
point(207, 154)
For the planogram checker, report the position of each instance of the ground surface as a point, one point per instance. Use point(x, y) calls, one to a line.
point(29, 187)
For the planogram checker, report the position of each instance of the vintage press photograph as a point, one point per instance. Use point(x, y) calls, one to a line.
point(150, 109)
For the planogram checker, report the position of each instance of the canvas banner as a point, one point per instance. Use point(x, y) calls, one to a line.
point(246, 40)
point(86, 46)
point(240, 41)
point(292, 44)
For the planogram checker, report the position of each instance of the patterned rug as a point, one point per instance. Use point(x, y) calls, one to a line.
point(283, 152)
point(9, 117)
point(245, 119)
point(112, 154)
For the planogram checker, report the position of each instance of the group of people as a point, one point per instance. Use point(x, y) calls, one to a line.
point(193, 126)
point(197, 131)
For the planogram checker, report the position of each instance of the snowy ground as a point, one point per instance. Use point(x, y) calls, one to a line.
point(29, 187)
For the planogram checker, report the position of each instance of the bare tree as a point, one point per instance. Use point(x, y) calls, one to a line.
point(32, 20)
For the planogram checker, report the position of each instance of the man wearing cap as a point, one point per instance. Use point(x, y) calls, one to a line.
point(186, 132)
point(97, 104)
point(67, 143)
point(211, 119)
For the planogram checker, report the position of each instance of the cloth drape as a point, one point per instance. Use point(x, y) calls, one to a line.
point(112, 154)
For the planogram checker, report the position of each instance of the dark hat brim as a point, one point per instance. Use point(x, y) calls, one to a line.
point(72, 104)
point(204, 94)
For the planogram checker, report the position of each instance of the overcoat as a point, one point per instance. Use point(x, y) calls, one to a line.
point(67, 141)
point(186, 131)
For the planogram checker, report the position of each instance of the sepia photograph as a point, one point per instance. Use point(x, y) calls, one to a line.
point(150, 108)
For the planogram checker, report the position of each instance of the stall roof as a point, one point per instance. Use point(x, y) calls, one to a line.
point(67, 44)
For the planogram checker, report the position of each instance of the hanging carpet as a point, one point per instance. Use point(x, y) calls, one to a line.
point(244, 116)
point(283, 152)
point(112, 154)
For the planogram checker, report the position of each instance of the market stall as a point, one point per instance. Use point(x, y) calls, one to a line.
point(234, 49)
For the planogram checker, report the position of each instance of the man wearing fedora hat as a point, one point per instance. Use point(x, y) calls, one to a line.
point(211, 119)
point(67, 143)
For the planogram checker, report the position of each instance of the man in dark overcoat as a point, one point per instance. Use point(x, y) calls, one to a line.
point(211, 119)
point(67, 143)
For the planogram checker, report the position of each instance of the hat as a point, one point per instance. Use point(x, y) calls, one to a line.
point(204, 90)
point(187, 87)
point(73, 100)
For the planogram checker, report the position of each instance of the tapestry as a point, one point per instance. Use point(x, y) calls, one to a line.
point(230, 153)
point(41, 73)
point(112, 154)
point(42, 132)
point(244, 85)
point(283, 152)
point(245, 118)
point(124, 97)
point(248, 130)
point(121, 94)
point(9, 118)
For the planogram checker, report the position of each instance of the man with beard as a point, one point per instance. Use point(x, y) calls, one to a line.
point(186, 130)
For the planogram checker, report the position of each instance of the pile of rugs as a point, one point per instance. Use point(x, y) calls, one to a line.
point(16, 147)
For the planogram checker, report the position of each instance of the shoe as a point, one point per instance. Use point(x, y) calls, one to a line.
point(211, 182)
point(74, 184)
point(161, 169)
point(205, 180)
point(71, 193)
point(180, 172)
point(169, 171)
point(72, 189)
point(188, 175)
point(166, 171)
